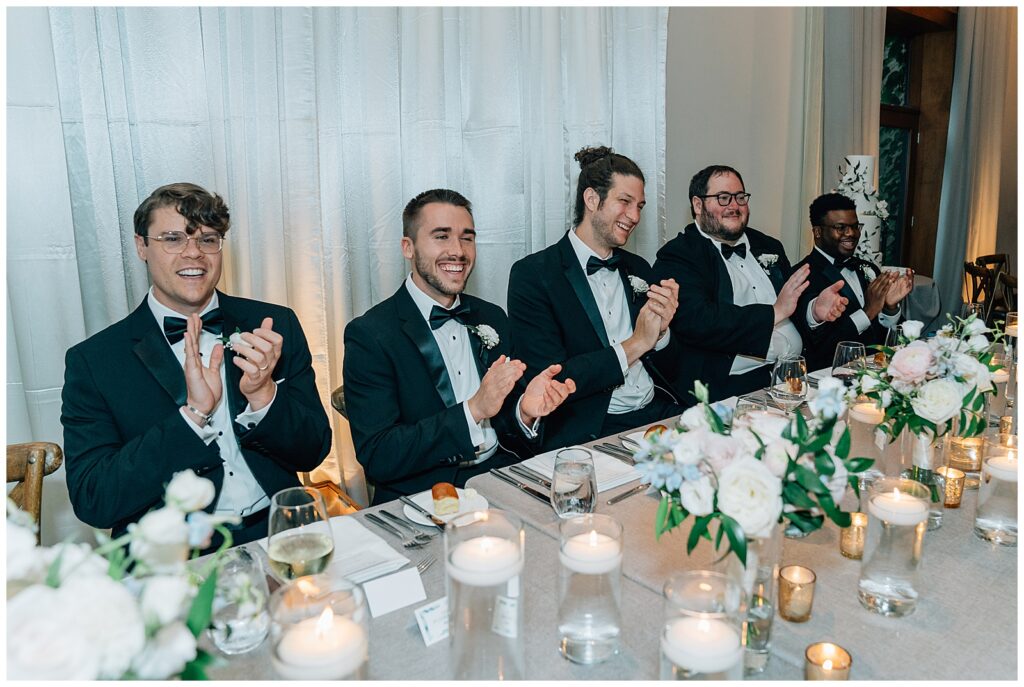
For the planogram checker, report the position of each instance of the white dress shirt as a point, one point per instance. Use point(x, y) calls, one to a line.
point(637, 389)
point(240, 494)
point(750, 286)
point(859, 317)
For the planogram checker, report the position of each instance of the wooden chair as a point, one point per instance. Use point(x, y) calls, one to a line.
point(980, 283)
point(997, 262)
point(1004, 298)
point(338, 502)
point(27, 464)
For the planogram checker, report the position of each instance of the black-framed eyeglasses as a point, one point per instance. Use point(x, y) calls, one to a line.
point(725, 198)
point(175, 242)
point(843, 228)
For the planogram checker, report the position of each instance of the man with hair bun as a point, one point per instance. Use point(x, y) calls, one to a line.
point(594, 308)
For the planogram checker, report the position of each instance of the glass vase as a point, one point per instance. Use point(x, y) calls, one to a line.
point(920, 456)
point(964, 453)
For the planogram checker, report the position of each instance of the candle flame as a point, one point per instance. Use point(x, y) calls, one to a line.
point(827, 665)
point(704, 587)
point(896, 494)
point(307, 587)
point(325, 624)
point(703, 625)
point(593, 537)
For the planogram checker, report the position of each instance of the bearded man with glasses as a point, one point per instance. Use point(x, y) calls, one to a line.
point(156, 393)
point(737, 291)
point(874, 296)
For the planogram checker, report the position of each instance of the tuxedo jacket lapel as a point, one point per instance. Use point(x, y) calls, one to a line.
point(578, 279)
point(832, 275)
point(416, 328)
point(156, 356)
point(481, 354)
point(634, 300)
point(233, 374)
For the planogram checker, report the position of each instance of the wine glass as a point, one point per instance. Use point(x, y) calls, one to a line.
point(300, 541)
point(789, 382)
point(968, 309)
point(239, 621)
point(574, 484)
point(848, 360)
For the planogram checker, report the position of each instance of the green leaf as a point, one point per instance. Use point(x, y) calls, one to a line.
point(804, 522)
point(858, 464)
point(737, 540)
point(700, 526)
point(824, 463)
point(843, 446)
point(854, 483)
point(833, 511)
point(809, 480)
point(676, 514)
point(196, 668)
point(202, 605)
point(660, 520)
point(796, 495)
point(53, 572)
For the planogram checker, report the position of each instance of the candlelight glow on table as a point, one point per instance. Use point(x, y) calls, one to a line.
point(955, 485)
point(827, 661)
point(851, 539)
point(796, 593)
point(703, 625)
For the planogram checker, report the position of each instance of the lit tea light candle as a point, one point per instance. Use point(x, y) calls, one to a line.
point(851, 539)
point(485, 561)
point(591, 553)
point(965, 453)
point(827, 661)
point(796, 593)
point(702, 645)
point(868, 413)
point(898, 508)
point(954, 485)
point(1003, 467)
point(327, 647)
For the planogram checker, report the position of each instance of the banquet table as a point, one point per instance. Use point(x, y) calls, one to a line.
point(965, 624)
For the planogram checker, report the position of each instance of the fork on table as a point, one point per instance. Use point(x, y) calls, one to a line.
point(417, 534)
point(407, 542)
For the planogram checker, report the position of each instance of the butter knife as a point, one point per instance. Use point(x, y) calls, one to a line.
point(616, 452)
point(640, 488)
point(530, 474)
point(525, 488)
point(436, 521)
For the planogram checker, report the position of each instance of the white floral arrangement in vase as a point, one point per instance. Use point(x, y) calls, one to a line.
point(74, 613)
point(855, 183)
point(753, 473)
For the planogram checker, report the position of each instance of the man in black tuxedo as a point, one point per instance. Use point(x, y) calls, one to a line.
point(140, 403)
point(593, 308)
point(736, 290)
point(428, 379)
point(874, 296)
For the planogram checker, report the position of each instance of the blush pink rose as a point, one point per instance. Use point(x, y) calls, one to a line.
point(910, 364)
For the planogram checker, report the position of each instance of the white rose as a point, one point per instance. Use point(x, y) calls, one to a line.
point(830, 401)
point(165, 598)
point(912, 329)
point(160, 540)
point(868, 383)
point(41, 644)
point(107, 613)
point(977, 375)
point(777, 454)
point(686, 449)
point(76, 560)
point(236, 340)
point(166, 653)
point(978, 343)
point(24, 558)
point(767, 425)
point(938, 400)
point(886, 398)
point(751, 495)
point(697, 496)
point(694, 418)
point(188, 492)
point(721, 449)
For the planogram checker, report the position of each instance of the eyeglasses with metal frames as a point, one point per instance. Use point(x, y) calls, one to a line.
point(175, 242)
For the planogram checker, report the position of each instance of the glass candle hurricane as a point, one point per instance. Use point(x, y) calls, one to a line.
point(996, 518)
point(703, 623)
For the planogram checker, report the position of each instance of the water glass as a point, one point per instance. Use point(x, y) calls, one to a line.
point(240, 620)
point(484, 560)
point(997, 404)
point(299, 540)
point(848, 360)
point(996, 518)
point(703, 626)
point(897, 520)
point(976, 309)
point(590, 588)
point(789, 382)
point(574, 484)
point(892, 337)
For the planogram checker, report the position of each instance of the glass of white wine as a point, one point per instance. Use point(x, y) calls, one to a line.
point(300, 541)
point(789, 382)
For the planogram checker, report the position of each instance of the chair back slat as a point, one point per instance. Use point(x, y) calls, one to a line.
point(27, 464)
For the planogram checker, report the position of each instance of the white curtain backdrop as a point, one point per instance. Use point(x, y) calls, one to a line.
point(317, 125)
point(986, 47)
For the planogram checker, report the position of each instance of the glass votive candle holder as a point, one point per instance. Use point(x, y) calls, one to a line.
point(1006, 424)
point(955, 480)
point(996, 517)
point(319, 630)
point(827, 661)
point(701, 638)
point(796, 593)
point(851, 539)
point(590, 588)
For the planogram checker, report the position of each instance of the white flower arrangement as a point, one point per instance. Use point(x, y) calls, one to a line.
point(486, 333)
point(638, 284)
point(766, 260)
point(109, 625)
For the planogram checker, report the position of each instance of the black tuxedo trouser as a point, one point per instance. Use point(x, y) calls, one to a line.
point(382, 494)
point(658, 409)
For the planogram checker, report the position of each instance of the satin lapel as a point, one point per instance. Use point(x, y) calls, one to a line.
point(634, 300)
point(481, 354)
point(832, 274)
point(578, 279)
point(157, 357)
point(416, 328)
point(232, 373)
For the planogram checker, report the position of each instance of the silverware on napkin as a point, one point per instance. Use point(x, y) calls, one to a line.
point(525, 488)
point(638, 489)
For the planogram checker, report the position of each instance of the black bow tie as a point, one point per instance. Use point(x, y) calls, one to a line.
point(438, 315)
point(739, 249)
point(175, 327)
point(849, 263)
point(597, 264)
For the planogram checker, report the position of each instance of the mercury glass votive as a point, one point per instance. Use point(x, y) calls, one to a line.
point(851, 539)
point(955, 481)
point(796, 593)
point(1006, 424)
point(827, 661)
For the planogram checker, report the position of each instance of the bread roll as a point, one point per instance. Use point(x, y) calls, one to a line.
point(654, 430)
point(446, 498)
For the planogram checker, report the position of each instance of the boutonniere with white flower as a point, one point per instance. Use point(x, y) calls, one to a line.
point(868, 270)
point(486, 333)
point(766, 260)
point(229, 341)
point(639, 285)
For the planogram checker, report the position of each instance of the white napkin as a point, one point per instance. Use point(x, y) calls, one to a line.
point(610, 472)
point(359, 554)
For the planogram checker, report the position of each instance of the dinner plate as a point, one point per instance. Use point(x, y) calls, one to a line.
point(635, 437)
point(426, 500)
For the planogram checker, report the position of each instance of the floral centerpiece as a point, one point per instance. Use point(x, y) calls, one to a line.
point(104, 623)
point(751, 473)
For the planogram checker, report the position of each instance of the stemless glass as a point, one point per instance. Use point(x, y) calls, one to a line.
point(789, 382)
point(892, 336)
point(300, 541)
point(848, 360)
point(240, 620)
point(574, 484)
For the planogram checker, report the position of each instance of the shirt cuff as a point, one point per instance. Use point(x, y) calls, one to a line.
point(208, 434)
point(476, 432)
point(860, 319)
point(249, 418)
point(663, 341)
point(811, 322)
point(620, 353)
point(530, 432)
point(890, 321)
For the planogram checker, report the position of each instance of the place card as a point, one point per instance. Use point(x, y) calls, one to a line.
point(391, 592)
point(433, 621)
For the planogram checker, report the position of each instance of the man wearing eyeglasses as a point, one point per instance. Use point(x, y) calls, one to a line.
point(874, 296)
point(156, 393)
point(737, 290)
